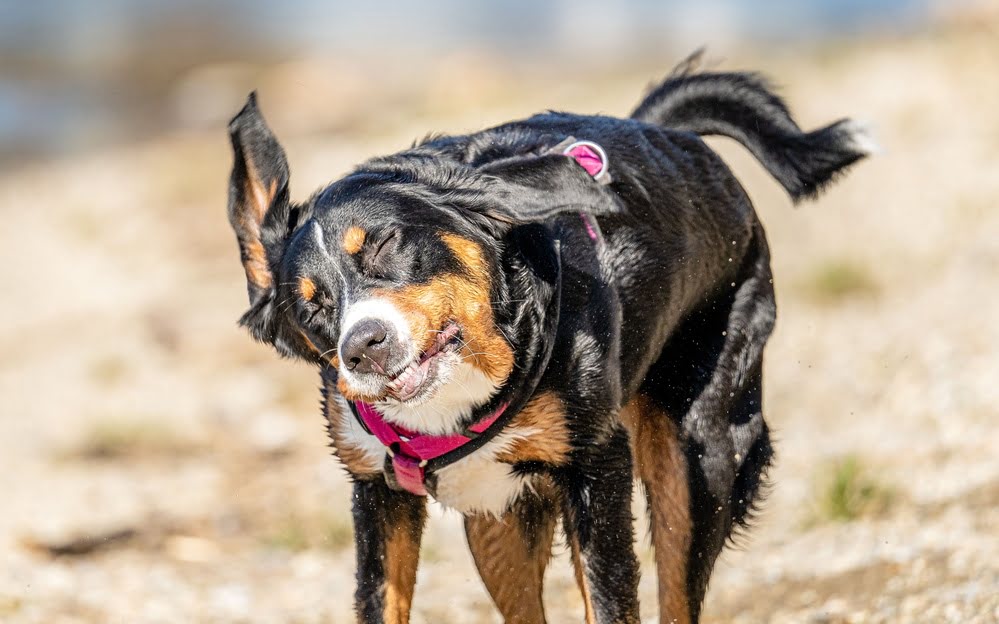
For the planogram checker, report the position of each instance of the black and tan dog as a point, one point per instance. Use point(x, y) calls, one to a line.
point(521, 321)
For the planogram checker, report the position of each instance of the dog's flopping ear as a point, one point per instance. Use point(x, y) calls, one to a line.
point(532, 189)
point(264, 218)
point(258, 197)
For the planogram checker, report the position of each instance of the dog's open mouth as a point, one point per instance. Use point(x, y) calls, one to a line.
point(420, 374)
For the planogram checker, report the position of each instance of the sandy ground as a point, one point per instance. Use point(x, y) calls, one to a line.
point(137, 416)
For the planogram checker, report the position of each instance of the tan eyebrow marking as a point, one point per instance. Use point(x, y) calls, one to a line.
point(307, 287)
point(353, 239)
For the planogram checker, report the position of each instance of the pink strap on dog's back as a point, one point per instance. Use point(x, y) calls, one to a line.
point(587, 157)
point(591, 157)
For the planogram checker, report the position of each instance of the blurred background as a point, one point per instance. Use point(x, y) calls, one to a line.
point(158, 466)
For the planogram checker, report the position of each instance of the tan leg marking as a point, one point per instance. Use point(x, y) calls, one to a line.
point(308, 343)
point(511, 558)
point(584, 585)
point(662, 467)
point(353, 239)
point(402, 555)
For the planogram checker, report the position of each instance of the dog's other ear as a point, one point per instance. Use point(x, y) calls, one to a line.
point(532, 189)
point(258, 196)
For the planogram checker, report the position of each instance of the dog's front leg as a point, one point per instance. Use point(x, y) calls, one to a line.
point(599, 528)
point(388, 526)
point(512, 551)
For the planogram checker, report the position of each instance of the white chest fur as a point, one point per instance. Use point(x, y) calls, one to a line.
point(478, 483)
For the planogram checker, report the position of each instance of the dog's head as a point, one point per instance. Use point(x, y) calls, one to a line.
point(422, 281)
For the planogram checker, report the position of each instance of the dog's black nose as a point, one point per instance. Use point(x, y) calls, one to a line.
point(366, 347)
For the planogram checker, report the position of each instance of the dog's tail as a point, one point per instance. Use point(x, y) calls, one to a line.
point(744, 107)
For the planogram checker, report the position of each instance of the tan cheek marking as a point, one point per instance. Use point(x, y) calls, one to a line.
point(353, 239)
point(345, 391)
point(307, 287)
point(463, 298)
point(428, 307)
point(488, 350)
point(308, 343)
point(662, 467)
point(468, 252)
point(545, 416)
point(333, 361)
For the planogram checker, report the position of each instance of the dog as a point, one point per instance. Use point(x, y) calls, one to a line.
point(522, 321)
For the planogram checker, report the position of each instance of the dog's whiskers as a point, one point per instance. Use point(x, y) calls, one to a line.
point(504, 334)
point(290, 301)
point(472, 353)
point(497, 303)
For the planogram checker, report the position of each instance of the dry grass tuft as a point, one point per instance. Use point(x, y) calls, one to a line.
point(10, 605)
point(120, 439)
point(840, 280)
point(108, 371)
point(848, 492)
point(300, 530)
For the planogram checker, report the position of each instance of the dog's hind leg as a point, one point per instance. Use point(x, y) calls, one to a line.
point(708, 379)
point(388, 526)
point(662, 466)
point(511, 553)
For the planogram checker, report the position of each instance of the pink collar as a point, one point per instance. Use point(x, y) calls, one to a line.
point(410, 451)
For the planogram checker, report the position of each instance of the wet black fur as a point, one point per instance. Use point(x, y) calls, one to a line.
point(675, 301)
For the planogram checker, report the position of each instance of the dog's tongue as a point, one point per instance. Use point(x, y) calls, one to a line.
point(408, 382)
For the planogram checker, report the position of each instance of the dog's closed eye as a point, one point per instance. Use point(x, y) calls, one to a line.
point(315, 308)
point(375, 259)
point(312, 316)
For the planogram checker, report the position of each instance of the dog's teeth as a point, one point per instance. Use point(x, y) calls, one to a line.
point(414, 376)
